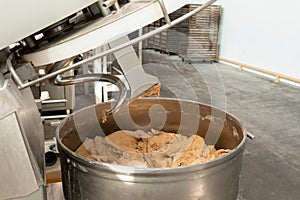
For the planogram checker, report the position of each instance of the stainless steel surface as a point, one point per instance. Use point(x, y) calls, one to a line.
point(97, 77)
point(26, 71)
point(55, 101)
point(57, 93)
point(22, 157)
point(40, 194)
point(214, 180)
point(54, 117)
point(97, 33)
point(23, 18)
point(104, 30)
point(30, 121)
point(138, 80)
point(124, 45)
point(54, 192)
point(1, 80)
point(22, 143)
point(10, 98)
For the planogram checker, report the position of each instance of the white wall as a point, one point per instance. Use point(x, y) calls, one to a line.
point(262, 33)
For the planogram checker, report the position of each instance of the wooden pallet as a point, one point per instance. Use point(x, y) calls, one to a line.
point(195, 39)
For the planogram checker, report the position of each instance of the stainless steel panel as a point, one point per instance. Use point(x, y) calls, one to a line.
point(34, 16)
point(37, 195)
point(21, 138)
point(17, 175)
point(1, 80)
point(70, 96)
point(10, 98)
point(32, 128)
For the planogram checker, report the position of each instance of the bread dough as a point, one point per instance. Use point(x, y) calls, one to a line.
point(153, 149)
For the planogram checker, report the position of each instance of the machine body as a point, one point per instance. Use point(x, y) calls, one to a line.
point(35, 34)
point(22, 144)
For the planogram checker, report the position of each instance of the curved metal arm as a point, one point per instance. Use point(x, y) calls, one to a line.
point(71, 80)
point(122, 46)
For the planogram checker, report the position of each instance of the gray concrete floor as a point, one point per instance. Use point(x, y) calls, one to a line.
point(270, 111)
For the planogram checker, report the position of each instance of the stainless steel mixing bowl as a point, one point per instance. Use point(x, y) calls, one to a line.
point(214, 180)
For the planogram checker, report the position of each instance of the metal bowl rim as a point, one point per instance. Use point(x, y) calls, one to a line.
point(134, 170)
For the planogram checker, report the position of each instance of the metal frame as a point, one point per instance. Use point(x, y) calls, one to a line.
point(169, 24)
